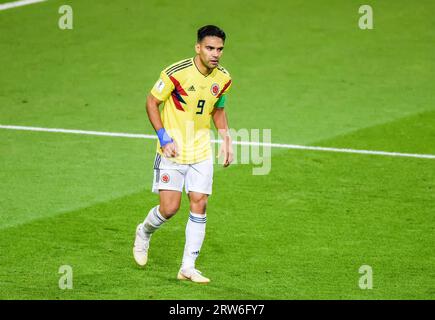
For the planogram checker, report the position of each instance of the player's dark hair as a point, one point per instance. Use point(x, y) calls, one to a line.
point(212, 31)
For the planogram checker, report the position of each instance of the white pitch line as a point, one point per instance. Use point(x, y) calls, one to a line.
point(271, 145)
point(92, 133)
point(14, 4)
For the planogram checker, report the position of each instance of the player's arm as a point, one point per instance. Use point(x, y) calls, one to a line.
point(221, 123)
point(158, 94)
point(153, 112)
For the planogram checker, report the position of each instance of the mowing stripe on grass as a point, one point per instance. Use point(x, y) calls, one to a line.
point(271, 145)
point(10, 5)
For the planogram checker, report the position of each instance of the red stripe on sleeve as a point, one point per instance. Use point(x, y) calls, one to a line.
point(224, 89)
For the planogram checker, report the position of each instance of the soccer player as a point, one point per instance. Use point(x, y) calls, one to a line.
point(193, 91)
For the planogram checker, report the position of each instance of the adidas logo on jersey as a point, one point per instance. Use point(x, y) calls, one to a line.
point(192, 88)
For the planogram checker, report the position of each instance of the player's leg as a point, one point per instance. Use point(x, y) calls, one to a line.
point(195, 234)
point(195, 229)
point(170, 201)
point(169, 204)
point(168, 182)
point(198, 203)
point(199, 180)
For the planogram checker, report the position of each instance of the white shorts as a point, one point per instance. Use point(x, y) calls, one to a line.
point(169, 175)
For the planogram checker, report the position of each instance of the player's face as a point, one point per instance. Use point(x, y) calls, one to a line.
point(210, 50)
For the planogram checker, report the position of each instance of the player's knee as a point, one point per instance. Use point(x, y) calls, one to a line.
point(199, 204)
point(168, 210)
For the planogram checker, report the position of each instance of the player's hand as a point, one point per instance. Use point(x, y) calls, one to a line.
point(227, 151)
point(170, 150)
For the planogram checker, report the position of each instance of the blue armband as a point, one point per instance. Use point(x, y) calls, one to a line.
point(164, 138)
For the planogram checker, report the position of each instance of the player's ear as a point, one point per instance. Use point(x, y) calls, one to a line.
point(197, 48)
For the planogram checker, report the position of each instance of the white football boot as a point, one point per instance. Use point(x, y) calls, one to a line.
point(141, 245)
point(193, 275)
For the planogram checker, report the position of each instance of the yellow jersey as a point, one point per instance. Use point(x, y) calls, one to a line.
point(189, 99)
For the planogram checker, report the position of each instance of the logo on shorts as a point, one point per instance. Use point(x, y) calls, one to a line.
point(165, 178)
point(214, 89)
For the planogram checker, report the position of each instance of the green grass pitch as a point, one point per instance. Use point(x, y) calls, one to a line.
point(300, 68)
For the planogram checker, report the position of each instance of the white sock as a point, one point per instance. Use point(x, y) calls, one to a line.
point(152, 222)
point(195, 233)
